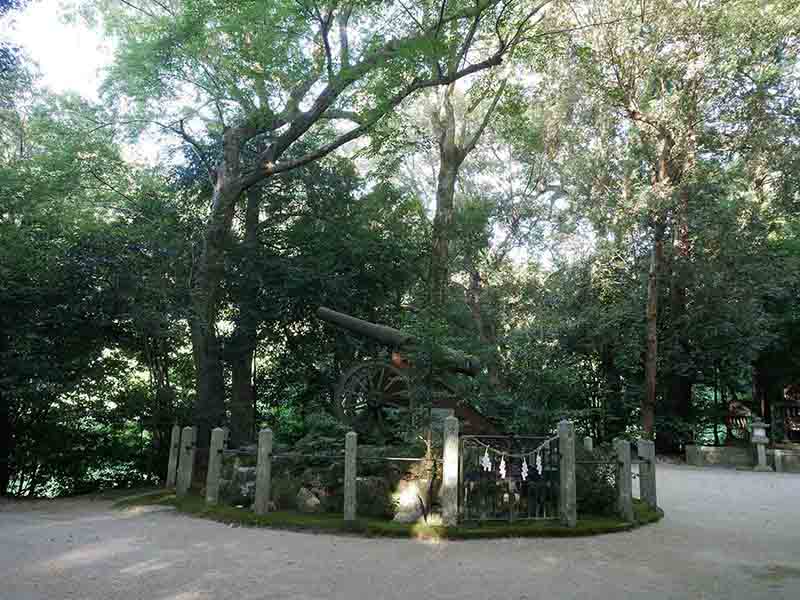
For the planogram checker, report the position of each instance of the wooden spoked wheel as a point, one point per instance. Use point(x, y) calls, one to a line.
point(368, 391)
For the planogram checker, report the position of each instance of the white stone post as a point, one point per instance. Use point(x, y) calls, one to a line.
point(214, 465)
point(186, 463)
point(450, 473)
point(646, 449)
point(760, 440)
point(588, 443)
point(778, 456)
point(567, 495)
point(624, 482)
point(174, 452)
point(350, 474)
point(263, 472)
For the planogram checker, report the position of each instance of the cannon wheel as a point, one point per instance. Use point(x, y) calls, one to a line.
point(367, 390)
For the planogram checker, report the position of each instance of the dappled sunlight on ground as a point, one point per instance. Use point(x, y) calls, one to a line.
point(726, 534)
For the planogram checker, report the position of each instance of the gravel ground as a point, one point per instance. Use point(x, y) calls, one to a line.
point(727, 534)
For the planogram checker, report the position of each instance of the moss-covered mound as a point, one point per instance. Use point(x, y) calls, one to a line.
point(333, 523)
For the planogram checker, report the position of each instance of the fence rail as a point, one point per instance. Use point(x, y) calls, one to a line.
point(484, 477)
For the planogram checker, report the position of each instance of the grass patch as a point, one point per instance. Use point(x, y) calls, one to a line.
point(146, 498)
point(334, 523)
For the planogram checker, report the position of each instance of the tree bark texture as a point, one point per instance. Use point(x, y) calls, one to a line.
point(245, 335)
point(442, 227)
point(205, 294)
point(651, 361)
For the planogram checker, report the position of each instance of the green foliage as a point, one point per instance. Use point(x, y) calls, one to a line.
point(549, 251)
point(595, 481)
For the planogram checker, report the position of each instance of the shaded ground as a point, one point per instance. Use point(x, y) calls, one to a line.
point(727, 534)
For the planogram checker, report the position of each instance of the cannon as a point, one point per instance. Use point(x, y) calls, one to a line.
point(369, 391)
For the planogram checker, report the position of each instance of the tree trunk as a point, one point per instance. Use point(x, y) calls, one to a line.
point(651, 361)
point(245, 336)
point(450, 159)
point(205, 293)
point(487, 331)
point(442, 226)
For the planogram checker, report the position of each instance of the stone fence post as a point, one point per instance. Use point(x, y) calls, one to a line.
point(624, 483)
point(646, 449)
point(186, 462)
point(214, 465)
point(350, 474)
point(263, 472)
point(567, 496)
point(450, 472)
point(174, 452)
point(588, 443)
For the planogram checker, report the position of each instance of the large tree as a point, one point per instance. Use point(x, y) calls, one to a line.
point(260, 88)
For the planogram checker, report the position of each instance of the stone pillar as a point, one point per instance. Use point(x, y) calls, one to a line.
point(588, 443)
point(227, 431)
point(646, 449)
point(567, 495)
point(350, 474)
point(186, 463)
point(624, 483)
point(760, 440)
point(174, 452)
point(214, 465)
point(778, 456)
point(450, 473)
point(263, 472)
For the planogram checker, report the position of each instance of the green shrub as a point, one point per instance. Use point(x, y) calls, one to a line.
point(284, 492)
point(375, 498)
point(596, 483)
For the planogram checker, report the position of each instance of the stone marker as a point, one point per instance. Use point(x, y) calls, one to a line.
point(778, 456)
point(214, 465)
point(307, 501)
point(174, 452)
point(450, 473)
point(186, 463)
point(588, 443)
point(646, 449)
point(263, 472)
point(567, 497)
point(350, 468)
point(624, 482)
point(760, 440)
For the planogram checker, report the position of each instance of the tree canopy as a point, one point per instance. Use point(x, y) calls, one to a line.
point(597, 199)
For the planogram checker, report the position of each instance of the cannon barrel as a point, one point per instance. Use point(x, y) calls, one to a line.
point(389, 336)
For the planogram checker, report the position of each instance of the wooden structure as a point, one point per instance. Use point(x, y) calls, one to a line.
point(370, 394)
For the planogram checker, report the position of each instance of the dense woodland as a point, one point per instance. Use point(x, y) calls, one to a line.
point(598, 198)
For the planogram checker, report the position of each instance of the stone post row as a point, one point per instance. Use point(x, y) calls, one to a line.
point(450, 472)
point(646, 449)
point(624, 482)
point(567, 497)
point(350, 474)
point(186, 462)
point(174, 452)
point(214, 465)
point(263, 472)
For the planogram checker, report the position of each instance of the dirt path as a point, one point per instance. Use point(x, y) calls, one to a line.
point(727, 534)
